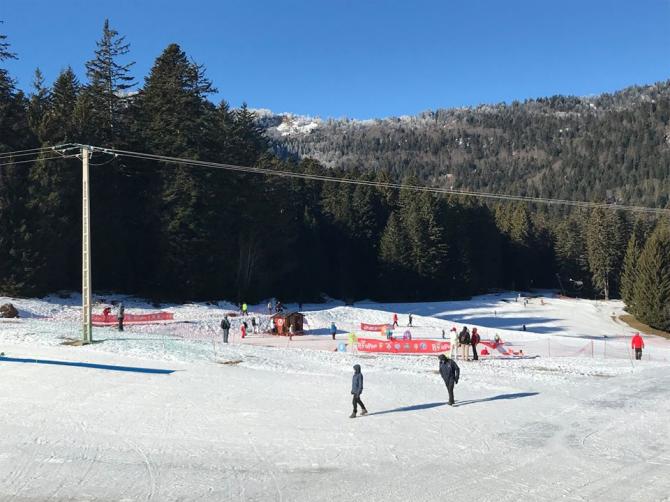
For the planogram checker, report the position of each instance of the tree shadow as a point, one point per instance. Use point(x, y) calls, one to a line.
point(499, 397)
point(414, 407)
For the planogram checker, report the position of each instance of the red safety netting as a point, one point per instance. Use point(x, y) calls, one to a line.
point(111, 319)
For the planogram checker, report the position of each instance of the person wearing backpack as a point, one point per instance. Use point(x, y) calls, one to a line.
point(225, 326)
point(450, 373)
point(464, 342)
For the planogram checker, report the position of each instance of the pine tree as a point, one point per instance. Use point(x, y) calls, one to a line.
point(604, 244)
point(628, 277)
point(109, 83)
point(6, 82)
point(652, 290)
point(175, 118)
point(38, 106)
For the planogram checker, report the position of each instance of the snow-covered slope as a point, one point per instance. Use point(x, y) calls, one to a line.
point(272, 424)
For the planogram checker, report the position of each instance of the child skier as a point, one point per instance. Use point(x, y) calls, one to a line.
point(357, 390)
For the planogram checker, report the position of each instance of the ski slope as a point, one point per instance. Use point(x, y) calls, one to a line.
point(267, 419)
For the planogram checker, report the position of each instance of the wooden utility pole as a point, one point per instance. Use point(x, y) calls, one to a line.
point(87, 328)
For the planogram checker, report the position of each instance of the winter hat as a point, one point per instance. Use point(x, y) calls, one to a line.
point(357, 368)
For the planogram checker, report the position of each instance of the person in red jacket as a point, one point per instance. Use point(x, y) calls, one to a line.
point(637, 343)
point(474, 340)
point(243, 329)
point(395, 320)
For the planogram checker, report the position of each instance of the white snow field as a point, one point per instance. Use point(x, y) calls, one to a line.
point(575, 419)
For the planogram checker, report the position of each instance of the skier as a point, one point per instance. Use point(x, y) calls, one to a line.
point(410, 320)
point(225, 326)
point(333, 330)
point(244, 309)
point(474, 340)
point(453, 343)
point(464, 342)
point(450, 373)
point(357, 390)
point(254, 326)
point(637, 343)
point(243, 330)
point(120, 315)
point(395, 320)
point(444, 335)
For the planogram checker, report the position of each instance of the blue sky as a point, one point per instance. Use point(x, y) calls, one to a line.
point(362, 58)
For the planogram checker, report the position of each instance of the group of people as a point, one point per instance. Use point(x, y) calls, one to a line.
point(120, 314)
point(449, 371)
point(410, 319)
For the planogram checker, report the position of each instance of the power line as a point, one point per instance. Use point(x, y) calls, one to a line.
point(37, 151)
point(55, 157)
point(380, 184)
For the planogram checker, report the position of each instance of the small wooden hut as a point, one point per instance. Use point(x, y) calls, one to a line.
point(283, 321)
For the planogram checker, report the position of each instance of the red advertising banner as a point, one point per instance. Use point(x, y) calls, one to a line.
point(373, 327)
point(403, 346)
point(111, 320)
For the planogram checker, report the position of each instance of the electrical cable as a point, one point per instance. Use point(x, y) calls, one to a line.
point(380, 184)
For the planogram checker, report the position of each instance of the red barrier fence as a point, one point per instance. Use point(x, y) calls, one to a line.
point(402, 346)
point(111, 320)
point(373, 327)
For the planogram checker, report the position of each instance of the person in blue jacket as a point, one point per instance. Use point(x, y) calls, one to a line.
point(357, 390)
point(333, 330)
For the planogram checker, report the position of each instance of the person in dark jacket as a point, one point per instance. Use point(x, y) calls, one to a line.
point(333, 330)
point(225, 326)
point(120, 315)
point(450, 373)
point(464, 342)
point(357, 390)
point(474, 340)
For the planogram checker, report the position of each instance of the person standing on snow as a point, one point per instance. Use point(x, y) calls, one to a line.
point(464, 341)
point(244, 309)
point(225, 326)
point(450, 373)
point(357, 390)
point(243, 330)
point(270, 307)
point(453, 343)
point(254, 326)
point(637, 343)
point(474, 340)
point(120, 315)
point(333, 330)
point(410, 320)
point(395, 320)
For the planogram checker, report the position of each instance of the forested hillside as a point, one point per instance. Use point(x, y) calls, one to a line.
point(613, 147)
point(175, 232)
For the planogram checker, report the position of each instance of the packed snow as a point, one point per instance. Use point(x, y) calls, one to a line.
point(266, 418)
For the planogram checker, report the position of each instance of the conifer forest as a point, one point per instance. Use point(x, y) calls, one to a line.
point(173, 232)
